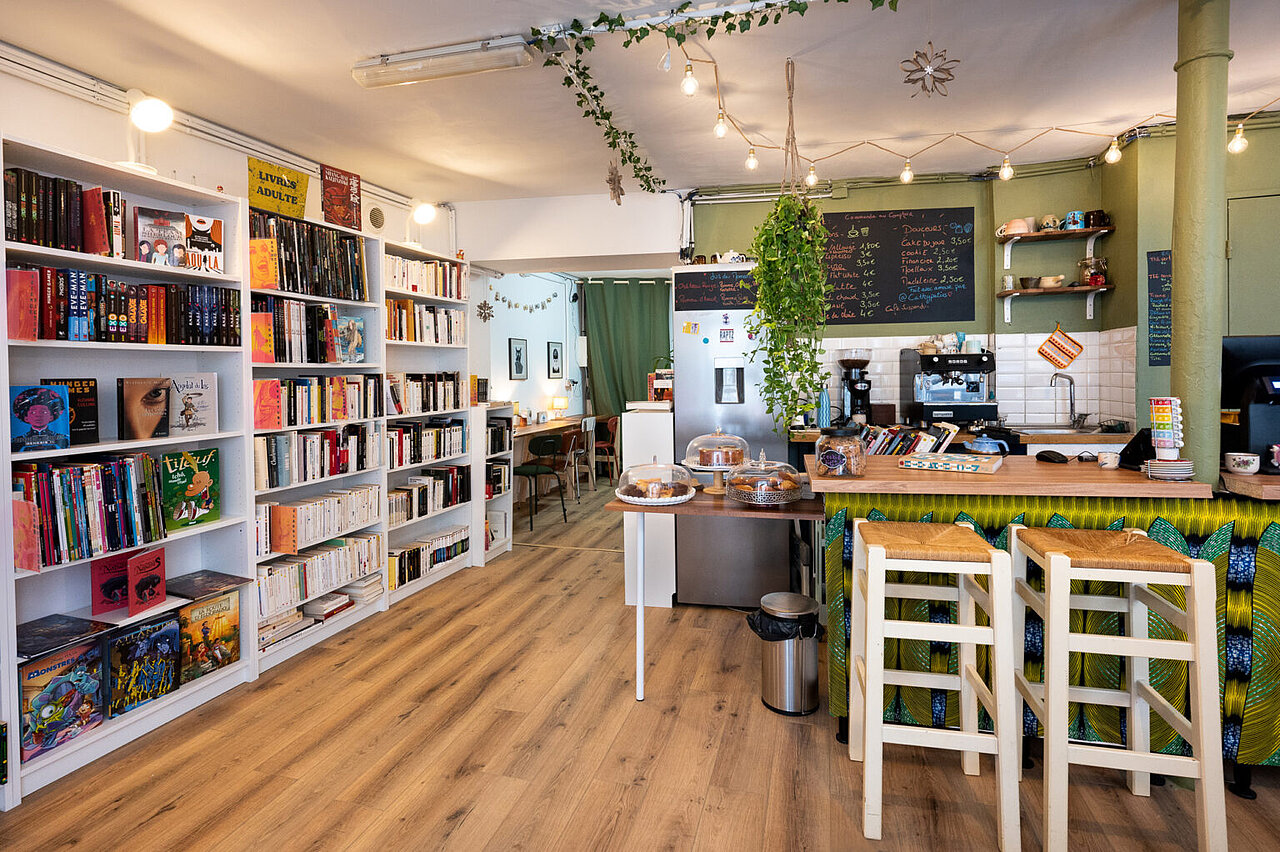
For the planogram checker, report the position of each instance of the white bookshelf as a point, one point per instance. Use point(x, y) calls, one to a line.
point(502, 502)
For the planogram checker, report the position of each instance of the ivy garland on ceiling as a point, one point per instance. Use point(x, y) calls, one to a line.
point(580, 39)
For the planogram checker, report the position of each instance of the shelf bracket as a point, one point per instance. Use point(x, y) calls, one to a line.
point(1088, 252)
point(1008, 252)
point(1088, 299)
point(1008, 305)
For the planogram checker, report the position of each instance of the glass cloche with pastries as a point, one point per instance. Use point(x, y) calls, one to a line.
point(656, 484)
point(764, 483)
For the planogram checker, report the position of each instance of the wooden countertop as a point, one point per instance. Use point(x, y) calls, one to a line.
point(1258, 486)
point(1019, 476)
point(562, 424)
point(720, 506)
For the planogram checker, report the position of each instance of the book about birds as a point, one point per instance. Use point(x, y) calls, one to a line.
point(142, 408)
point(193, 404)
point(82, 399)
point(210, 636)
point(142, 665)
point(146, 580)
point(190, 488)
point(39, 418)
point(61, 697)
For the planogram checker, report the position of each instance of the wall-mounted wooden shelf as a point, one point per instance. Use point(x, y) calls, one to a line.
point(1088, 292)
point(1090, 234)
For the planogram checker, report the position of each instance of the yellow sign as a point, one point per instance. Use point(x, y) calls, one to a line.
point(277, 188)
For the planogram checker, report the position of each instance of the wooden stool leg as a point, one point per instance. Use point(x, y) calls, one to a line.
point(966, 656)
point(858, 697)
point(1008, 715)
point(873, 716)
point(1139, 712)
point(1019, 631)
point(1057, 627)
point(1206, 721)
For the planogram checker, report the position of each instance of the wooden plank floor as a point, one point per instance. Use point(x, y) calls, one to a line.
point(496, 710)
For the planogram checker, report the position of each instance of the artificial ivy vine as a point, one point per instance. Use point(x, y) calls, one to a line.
point(580, 39)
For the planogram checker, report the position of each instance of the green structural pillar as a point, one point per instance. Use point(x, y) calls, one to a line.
point(1200, 226)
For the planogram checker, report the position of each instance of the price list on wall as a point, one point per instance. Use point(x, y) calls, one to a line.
point(1159, 308)
point(898, 266)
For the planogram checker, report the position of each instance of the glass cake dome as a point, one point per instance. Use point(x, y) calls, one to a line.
point(764, 483)
point(655, 484)
point(718, 450)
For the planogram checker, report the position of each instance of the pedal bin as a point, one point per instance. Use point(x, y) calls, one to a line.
point(789, 667)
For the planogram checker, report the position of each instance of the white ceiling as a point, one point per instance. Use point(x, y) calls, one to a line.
point(280, 71)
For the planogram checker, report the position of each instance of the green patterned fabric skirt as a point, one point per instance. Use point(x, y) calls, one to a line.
point(1240, 537)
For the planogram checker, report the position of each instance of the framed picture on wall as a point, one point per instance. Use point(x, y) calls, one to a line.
point(518, 355)
point(555, 360)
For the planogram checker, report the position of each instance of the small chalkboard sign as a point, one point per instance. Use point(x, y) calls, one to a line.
point(896, 266)
point(1159, 308)
point(713, 289)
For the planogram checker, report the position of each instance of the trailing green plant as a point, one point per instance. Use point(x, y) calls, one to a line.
point(791, 307)
point(682, 23)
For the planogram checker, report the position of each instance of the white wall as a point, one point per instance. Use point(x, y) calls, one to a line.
point(559, 322)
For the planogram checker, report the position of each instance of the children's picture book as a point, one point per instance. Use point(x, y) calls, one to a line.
point(23, 286)
point(142, 408)
point(26, 534)
point(262, 327)
point(142, 665)
point(54, 631)
point(160, 237)
point(264, 264)
point(62, 697)
point(204, 243)
point(193, 404)
point(82, 398)
point(191, 488)
point(210, 637)
point(203, 583)
point(146, 580)
point(40, 418)
point(109, 579)
point(266, 404)
point(349, 334)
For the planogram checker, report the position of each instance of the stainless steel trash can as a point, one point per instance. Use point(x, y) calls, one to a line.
point(789, 668)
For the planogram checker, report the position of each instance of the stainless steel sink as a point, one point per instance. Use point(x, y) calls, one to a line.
point(1052, 430)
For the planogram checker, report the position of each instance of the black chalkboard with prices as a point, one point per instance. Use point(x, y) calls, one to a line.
point(714, 288)
point(899, 266)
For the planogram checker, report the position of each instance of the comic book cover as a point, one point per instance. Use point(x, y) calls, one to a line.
point(267, 413)
point(204, 243)
point(349, 332)
point(203, 583)
point(146, 580)
point(61, 697)
point(54, 631)
point(193, 404)
point(142, 665)
point(109, 579)
point(160, 237)
point(191, 488)
point(340, 198)
point(142, 408)
point(39, 418)
point(82, 396)
point(210, 637)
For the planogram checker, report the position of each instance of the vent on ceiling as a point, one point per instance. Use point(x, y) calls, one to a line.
point(377, 218)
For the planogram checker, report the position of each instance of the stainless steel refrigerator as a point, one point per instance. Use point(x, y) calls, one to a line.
point(724, 561)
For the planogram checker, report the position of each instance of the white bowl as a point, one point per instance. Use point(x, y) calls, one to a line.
point(1246, 463)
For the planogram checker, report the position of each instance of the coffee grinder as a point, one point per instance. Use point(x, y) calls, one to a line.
point(855, 386)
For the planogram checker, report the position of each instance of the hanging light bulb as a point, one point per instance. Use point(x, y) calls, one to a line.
point(722, 126)
point(150, 115)
point(811, 179)
point(752, 162)
point(1006, 170)
point(689, 85)
point(424, 213)
point(907, 175)
point(1114, 153)
point(1238, 143)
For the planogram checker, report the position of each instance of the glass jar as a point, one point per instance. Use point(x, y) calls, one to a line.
point(716, 451)
point(656, 484)
point(764, 483)
point(840, 453)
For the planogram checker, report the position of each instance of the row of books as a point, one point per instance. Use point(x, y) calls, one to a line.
point(418, 323)
point(282, 626)
point(418, 558)
point(497, 435)
point(313, 259)
point(428, 277)
point(315, 400)
point(297, 525)
point(904, 440)
point(416, 442)
point(286, 583)
point(52, 211)
point(295, 457)
point(423, 393)
point(432, 490)
point(497, 527)
point(287, 331)
point(479, 390)
point(497, 477)
point(45, 303)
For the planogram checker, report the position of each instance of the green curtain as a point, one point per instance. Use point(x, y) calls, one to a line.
point(628, 326)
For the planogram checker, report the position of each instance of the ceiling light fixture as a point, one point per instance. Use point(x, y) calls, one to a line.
point(1006, 170)
point(1238, 143)
point(1114, 153)
point(752, 162)
point(689, 85)
point(811, 179)
point(722, 127)
point(438, 63)
point(907, 175)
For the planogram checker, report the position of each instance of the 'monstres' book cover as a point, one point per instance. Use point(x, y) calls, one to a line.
point(82, 395)
point(40, 418)
point(143, 665)
point(61, 697)
point(191, 488)
point(160, 236)
point(204, 243)
point(142, 408)
point(210, 637)
point(146, 580)
point(193, 404)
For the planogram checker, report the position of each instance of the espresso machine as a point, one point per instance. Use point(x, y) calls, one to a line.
point(855, 387)
point(954, 387)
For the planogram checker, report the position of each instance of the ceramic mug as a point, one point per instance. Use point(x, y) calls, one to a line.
point(1050, 223)
point(1246, 463)
point(1031, 224)
point(1008, 281)
point(1097, 219)
point(1074, 220)
point(1108, 461)
point(1012, 228)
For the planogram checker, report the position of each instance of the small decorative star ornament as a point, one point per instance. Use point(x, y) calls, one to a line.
point(484, 310)
point(930, 70)
point(614, 180)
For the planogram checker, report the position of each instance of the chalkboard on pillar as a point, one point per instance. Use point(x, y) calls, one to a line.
point(1159, 308)
point(899, 266)
point(714, 287)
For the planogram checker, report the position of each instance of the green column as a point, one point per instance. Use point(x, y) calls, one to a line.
point(1200, 226)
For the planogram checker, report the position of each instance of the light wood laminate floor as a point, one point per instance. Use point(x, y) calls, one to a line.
point(496, 711)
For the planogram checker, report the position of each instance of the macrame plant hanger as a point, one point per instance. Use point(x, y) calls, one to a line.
point(791, 178)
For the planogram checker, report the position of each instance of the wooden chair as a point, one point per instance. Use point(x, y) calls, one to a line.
point(1135, 563)
point(582, 455)
point(880, 548)
point(608, 450)
point(572, 460)
point(542, 460)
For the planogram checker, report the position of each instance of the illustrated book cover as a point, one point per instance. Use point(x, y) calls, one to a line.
point(210, 636)
point(203, 583)
point(40, 418)
point(26, 534)
point(264, 264)
point(142, 408)
point(267, 413)
point(160, 237)
point(349, 333)
point(22, 289)
point(61, 697)
point(109, 581)
point(142, 665)
point(340, 199)
point(193, 404)
point(82, 398)
point(204, 243)
point(146, 580)
point(262, 327)
point(190, 487)
point(54, 631)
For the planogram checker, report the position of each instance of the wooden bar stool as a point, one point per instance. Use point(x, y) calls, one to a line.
point(880, 547)
point(1136, 562)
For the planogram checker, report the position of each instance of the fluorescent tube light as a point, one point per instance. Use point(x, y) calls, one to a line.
point(437, 63)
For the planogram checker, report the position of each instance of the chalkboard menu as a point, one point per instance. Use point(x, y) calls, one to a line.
point(901, 266)
point(1159, 308)
point(713, 289)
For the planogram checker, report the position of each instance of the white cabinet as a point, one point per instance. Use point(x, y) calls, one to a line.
point(647, 435)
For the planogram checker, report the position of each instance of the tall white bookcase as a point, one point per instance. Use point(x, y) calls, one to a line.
point(498, 502)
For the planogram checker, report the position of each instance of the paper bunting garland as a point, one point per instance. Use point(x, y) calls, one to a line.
point(540, 305)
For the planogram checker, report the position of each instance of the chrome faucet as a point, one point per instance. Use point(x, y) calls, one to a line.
point(1077, 422)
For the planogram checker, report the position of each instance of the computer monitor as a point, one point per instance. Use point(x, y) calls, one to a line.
point(1251, 383)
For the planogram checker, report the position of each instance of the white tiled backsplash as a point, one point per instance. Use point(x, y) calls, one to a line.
point(1104, 374)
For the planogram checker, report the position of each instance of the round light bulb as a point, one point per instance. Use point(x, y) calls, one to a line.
point(1238, 143)
point(1006, 170)
point(811, 179)
point(689, 85)
point(1114, 153)
point(907, 175)
point(722, 126)
point(424, 214)
point(151, 115)
point(752, 162)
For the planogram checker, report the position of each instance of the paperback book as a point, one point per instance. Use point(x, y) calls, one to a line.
point(210, 636)
point(143, 665)
point(22, 290)
point(264, 264)
point(40, 418)
point(204, 243)
point(350, 339)
point(142, 408)
point(160, 237)
point(109, 579)
point(146, 580)
point(61, 697)
point(82, 399)
point(190, 488)
point(193, 404)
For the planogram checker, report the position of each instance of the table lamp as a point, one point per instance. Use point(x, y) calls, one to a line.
point(559, 404)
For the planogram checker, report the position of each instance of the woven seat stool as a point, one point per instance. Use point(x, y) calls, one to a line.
point(1135, 562)
point(881, 547)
